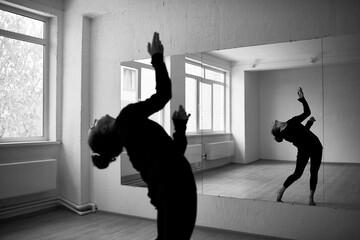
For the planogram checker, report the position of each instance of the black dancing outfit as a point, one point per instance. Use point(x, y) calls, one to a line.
point(308, 146)
point(160, 159)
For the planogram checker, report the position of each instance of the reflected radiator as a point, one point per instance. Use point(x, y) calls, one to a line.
point(193, 153)
point(219, 150)
point(24, 178)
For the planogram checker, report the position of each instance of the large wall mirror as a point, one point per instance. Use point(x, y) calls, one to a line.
point(265, 80)
point(341, 121)
point(235, 95)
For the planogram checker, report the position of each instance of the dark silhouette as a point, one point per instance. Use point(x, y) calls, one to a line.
point(159, 158)
point(307, 143)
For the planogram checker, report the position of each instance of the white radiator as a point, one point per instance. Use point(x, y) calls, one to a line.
point(219, 150)
point(193, 153)
point(23, 178)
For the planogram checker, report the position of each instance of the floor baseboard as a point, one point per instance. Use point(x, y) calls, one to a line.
point(40, 205)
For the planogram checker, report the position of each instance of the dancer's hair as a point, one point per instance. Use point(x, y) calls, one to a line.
point(105, 149)
point(276, 133)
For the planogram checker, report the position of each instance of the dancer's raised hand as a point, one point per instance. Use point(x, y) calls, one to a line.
point(156, 45)
point(300, 92)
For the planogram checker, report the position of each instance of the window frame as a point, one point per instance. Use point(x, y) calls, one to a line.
point(203, 79)
point(45, 42)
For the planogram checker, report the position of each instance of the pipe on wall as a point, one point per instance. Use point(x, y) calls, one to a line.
point(33, 206)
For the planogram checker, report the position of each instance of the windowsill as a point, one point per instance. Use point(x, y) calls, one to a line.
point(26, 144)
point(191, 135)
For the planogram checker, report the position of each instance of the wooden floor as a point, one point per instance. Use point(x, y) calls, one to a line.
point(61, 224)
point(338, 184)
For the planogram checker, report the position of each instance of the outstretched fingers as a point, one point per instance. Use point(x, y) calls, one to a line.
point(156, 45)
point(181, 114)
point(300, 93)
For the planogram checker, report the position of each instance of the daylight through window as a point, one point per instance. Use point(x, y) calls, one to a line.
point(23, 47)
point(205, 97)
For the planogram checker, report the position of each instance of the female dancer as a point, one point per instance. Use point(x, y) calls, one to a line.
point(307, 143)
point(159, 158)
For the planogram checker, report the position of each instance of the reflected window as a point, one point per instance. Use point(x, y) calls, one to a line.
point(194, 70)
point(138, 84)
point(218, 107)
point(214, 75)
point(205, 94)
point(148, 84)
point(191, 103)
point(205, 108)
point(128, 85)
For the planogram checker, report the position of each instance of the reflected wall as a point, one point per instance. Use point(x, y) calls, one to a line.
point(341, 71)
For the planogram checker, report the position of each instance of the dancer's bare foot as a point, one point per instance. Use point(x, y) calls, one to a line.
point(280, 193)
point(311, 198)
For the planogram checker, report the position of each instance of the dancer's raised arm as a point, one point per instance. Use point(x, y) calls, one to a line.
point(306, 107)
point(163, 83)
point(310, 122)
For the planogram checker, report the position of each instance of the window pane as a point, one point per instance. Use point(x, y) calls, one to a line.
point(190, 103)
point(148, 84)
point(128, 86)
point(21, 89)
point(219, 108)
point(193, 70)
point(205, 106)
point(214, 75)
point(20, 24)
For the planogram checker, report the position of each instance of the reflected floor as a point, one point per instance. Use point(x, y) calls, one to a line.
point(261, 180)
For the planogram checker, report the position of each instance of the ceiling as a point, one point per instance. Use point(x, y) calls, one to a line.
point(309, 51)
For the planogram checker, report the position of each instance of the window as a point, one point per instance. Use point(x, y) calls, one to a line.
point(137, 84)
point(129, 79)
point(205, 95)
point(23, 75)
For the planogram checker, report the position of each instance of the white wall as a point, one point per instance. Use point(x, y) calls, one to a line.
point(120, 31)
point(342, 113)
point(25, 178)
point(278, 101)
point(238, 112)
point(245, 114)
point(252, 117)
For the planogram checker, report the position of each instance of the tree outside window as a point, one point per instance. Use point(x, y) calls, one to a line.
point(22, 50)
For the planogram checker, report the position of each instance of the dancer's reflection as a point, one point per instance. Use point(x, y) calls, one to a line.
point(159, 159)
point(307, 143)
